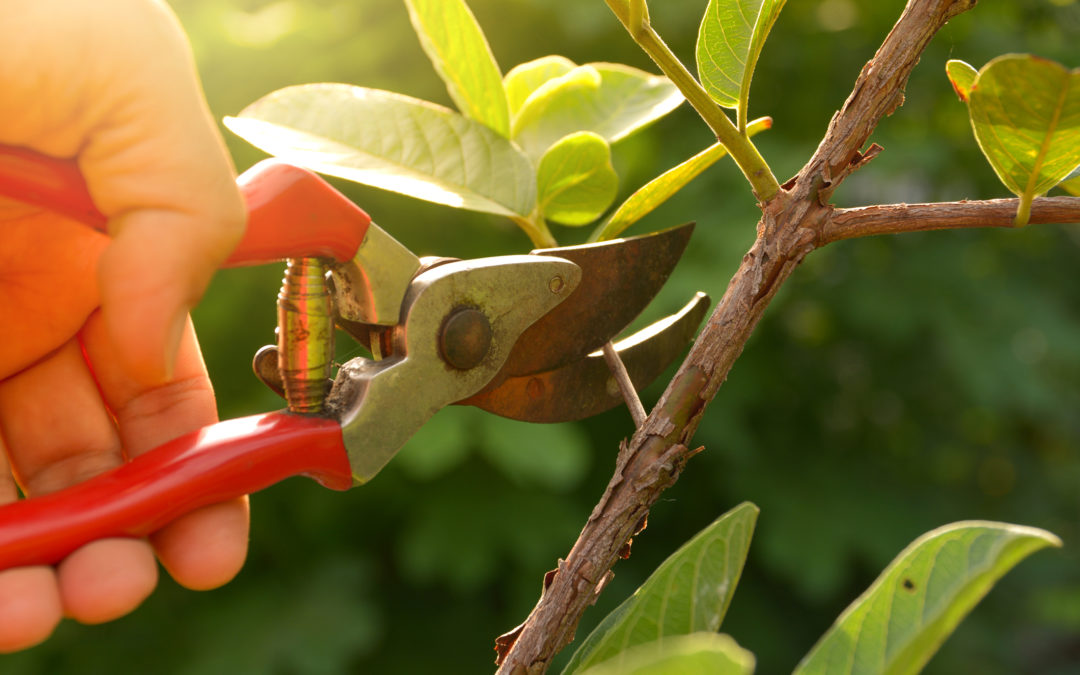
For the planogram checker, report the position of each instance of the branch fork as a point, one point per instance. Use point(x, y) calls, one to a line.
point(796, 219)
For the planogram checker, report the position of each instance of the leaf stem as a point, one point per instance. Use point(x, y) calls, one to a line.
point(1023, 210)
point(537, 230)
point(742, 150)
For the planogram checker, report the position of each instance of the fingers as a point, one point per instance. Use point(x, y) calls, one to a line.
point(206, 548)
point(30, 605)
point(57, 432)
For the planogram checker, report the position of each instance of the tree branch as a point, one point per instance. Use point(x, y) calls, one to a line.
point(792, 225)
point(896, 218)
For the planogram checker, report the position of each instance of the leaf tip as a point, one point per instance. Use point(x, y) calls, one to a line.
point(962, 77)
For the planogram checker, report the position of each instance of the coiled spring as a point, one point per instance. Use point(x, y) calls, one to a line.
point(305, 335)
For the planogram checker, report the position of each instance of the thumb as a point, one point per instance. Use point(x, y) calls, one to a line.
point(152, 273)
point(156, 165)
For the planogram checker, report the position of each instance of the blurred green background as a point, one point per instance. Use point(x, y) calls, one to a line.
point(896, 384)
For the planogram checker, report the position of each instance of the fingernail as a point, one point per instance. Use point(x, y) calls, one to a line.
point(172, 342)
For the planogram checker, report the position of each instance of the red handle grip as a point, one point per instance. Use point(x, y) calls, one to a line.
point(213, 464)
point(292, 213)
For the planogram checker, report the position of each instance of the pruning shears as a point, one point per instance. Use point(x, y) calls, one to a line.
point(516, 335)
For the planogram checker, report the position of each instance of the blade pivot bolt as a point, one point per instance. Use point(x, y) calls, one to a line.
point(465, 338)
point(556, 284)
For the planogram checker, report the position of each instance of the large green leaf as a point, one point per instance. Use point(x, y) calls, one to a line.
point(730, 39)
point(688, 593)
point(1025, 112)
point(457, 48)
point(660, 189)
point(526, 78)
point(902, 619)
point(575, 181)
point(704, 653)
point(962, 77)
point(609, 99)
point(392, 142)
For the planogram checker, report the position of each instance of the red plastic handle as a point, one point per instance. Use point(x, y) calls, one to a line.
point(292, 213)
point(213, 464)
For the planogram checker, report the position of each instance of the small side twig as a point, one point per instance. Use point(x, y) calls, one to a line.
point(626, 387)
point(866, 221)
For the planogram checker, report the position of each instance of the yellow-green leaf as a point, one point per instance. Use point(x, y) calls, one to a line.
point(392, 142)
point(730, 39)
point(453, 41)
point(1072, 186)
point(660, 189)
point(901, 620)
point(1025, 112)
point(575, 181)
point(704, 653)
point(609, 99)
point(689, 592)
point(524, 79)
point(962, 76)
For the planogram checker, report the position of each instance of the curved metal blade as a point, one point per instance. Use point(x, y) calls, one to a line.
point(619, 278)
point(585, 388)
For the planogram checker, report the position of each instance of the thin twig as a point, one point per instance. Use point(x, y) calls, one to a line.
point(626, 387)
point(897, 218)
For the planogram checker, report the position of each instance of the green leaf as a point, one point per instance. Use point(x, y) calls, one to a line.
point(1072, 186)
point(962, 76)
point(704, 653)
point(452, 38)
point(575, 181)
point(902, 619)
point(688, 593)
point(730, 39)
point(392, 142)
point(1025, 112)
point(526, 78)
point(660, 189)
point(609, 99)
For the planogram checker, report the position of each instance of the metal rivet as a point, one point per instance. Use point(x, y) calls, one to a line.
point(535, 388)
point(465, 338)
point(556, 284)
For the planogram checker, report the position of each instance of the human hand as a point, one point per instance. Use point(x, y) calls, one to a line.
point(98, 360)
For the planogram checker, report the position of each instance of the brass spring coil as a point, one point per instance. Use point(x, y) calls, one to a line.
point(305, 335)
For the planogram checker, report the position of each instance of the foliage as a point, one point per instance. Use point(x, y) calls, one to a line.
point(896, 384)
point(1025, 112)
point(688, 593)
point(703, 653)
point(902, 619)
point(729, 43)
point(533, 146)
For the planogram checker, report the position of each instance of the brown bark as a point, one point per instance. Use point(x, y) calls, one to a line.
point(793, 223)
point(896, 218)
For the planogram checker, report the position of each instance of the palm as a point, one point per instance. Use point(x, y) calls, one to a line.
point(46, 296)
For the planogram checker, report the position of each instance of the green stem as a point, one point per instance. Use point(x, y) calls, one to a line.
point(744, 152)
point(537, 230)
point(1023, 211)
